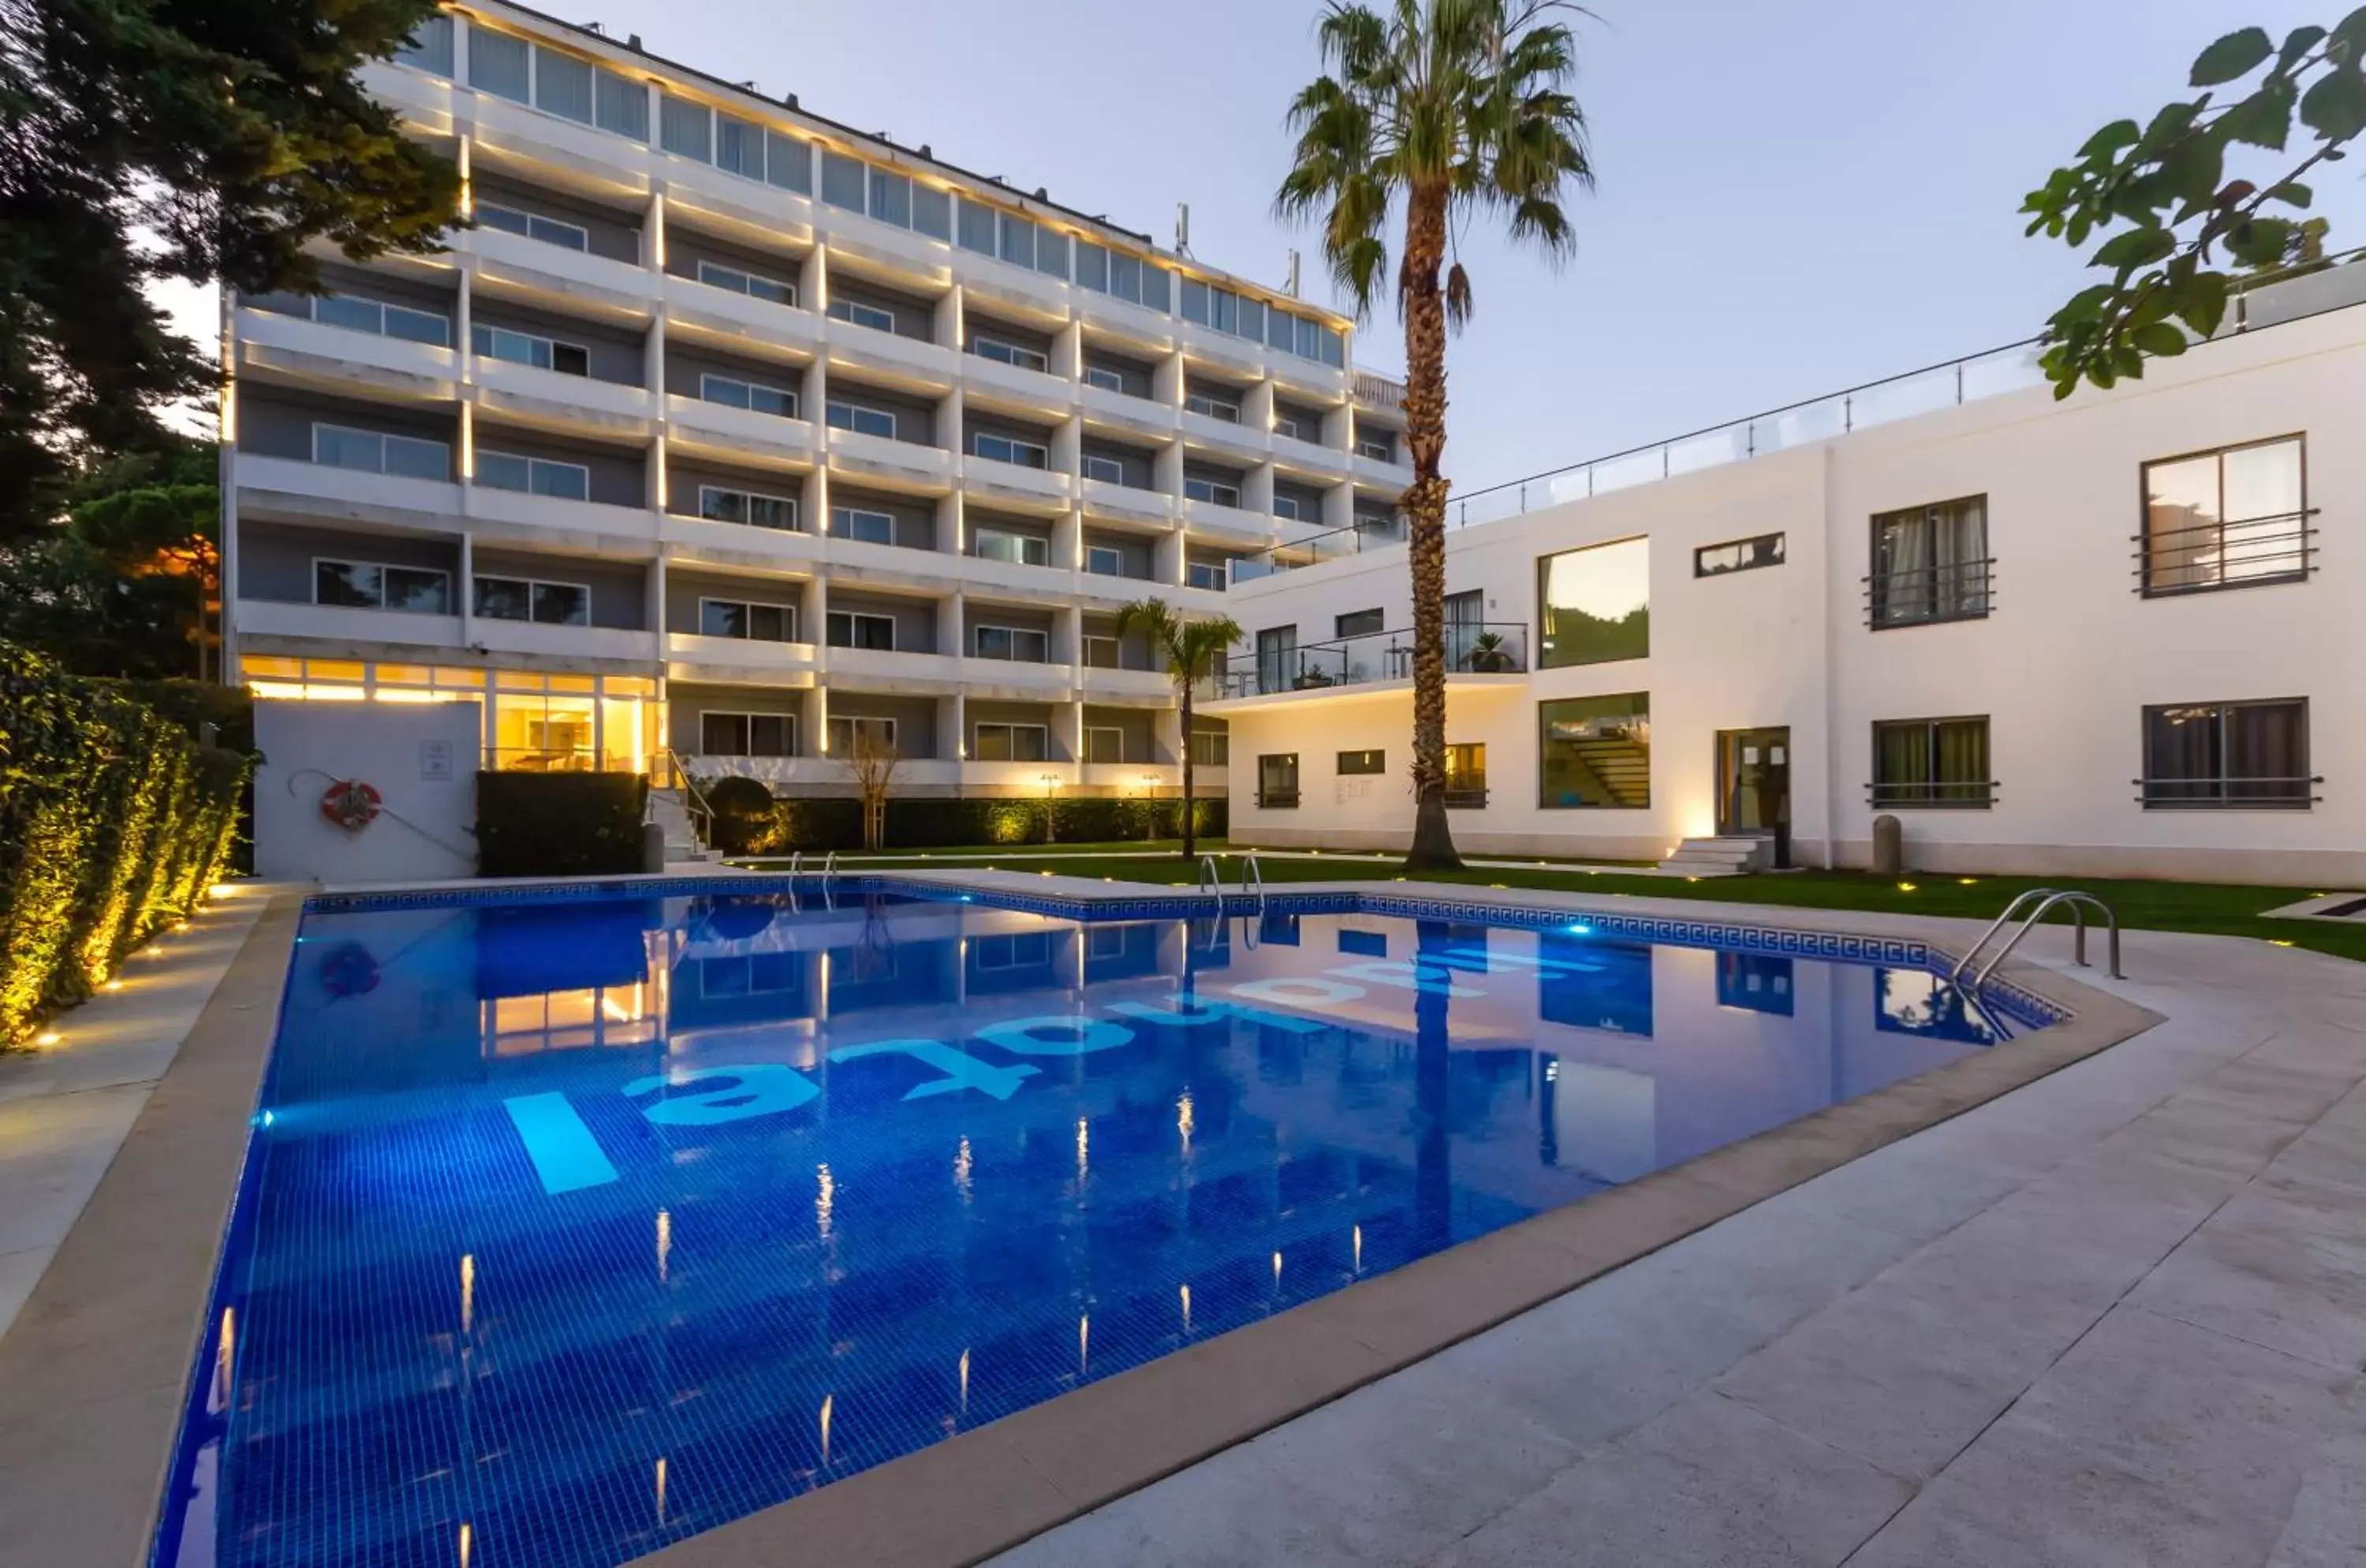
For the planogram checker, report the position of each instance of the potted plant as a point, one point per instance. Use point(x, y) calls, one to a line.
point(1488, 655)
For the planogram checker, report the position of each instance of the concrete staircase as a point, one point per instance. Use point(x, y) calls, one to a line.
point(1623, 767)
point(1719, 857)
point(667, 811)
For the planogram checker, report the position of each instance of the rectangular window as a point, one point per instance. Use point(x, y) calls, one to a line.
point(1281, 329)
point(363, 585)
point(1208, 405)
point(753, 395)
point(1052, 253)
point(1103, 653)
point(1108, 470)
point(1359, 623)
point(1002, 544)
point(845, 182)
point(977, 227)
point(1104, 744)
point(1595, 604)
point(1355, 763)
point(1742, 554)
point(1011, 743)
point(2228, 756)
point(751, 622)
point(532, 476)
point(891, 198)
point(1297, 429)
point(719, 504)
point(351, 314)
point(497, 64)
point(1466, 777)
point(2231, 518)
point(859, 522)
point(429, 47)
point(1100, 561)
point(1380, 447)
point(851, 735)
point(1133, 280)
point(1932, 761)
point(685, 127)
point(1212, 492)
point(740, 147)
point(1277, 780)
point(1092, 266)
point(562, 85)
point(1212, 748)
point(748, 283)
point(1594, 751)
point(748, 735)
point(1009, 449)
point(1016, 644)
point(1332, 346)
point(1291, 508)
point(525, 348)
point(1208, 574)
point(370, 451)
point(620, 105)
point(862, 315)
point(523, 599)
point(1251, 324)
point(864, 420)
point(852, 629)
point(1930, 563)
point(1196, 301)
point(1009, 354)
point(788, 163)
point(1019, 950)
point(532, 226)
point(932, 213)
point(1017, 241)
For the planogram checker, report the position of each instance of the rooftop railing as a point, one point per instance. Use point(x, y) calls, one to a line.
point(1489, 648)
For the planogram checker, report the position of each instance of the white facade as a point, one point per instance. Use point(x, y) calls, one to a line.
point(419, 758)
point(2066, 654)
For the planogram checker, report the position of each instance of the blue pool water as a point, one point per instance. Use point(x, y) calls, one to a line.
point(575, 1227)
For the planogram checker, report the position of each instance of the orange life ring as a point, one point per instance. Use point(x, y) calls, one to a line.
point(351, 804)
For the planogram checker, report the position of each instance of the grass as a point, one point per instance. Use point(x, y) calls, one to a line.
point(2211, 909)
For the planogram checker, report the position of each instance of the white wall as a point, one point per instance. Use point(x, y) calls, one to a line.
point(427, 828)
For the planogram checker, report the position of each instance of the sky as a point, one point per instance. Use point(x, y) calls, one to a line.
point(1790, 198)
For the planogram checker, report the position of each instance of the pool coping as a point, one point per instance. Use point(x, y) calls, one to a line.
point(97, 1372)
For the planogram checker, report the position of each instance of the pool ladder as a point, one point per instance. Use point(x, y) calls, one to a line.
point(797, 864)
point(2044, 899)
point(1211, 881)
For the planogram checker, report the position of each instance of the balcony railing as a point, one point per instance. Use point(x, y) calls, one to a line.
point(1976, 794)
point(1919, 595)
point(2214, 554)
point(1380, 391)
point(2229, 794)
point(1334, 544)
point(1466, 796)
point(1489, 648)
point(1277, 799)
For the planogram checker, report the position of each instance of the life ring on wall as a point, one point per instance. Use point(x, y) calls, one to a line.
point(351, 804)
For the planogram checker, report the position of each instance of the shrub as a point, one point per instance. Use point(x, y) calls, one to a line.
point(743, 814)
point(559, 824)
point(820, 825)
point(113, 822)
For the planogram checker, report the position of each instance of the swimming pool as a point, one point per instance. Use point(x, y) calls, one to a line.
point(574, 1225)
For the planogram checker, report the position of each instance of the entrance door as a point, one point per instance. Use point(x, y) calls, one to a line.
point(1753, 786)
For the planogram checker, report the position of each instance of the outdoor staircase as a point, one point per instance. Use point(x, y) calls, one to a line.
point(682, 844)
point(1623, 767)
point(1719, 857)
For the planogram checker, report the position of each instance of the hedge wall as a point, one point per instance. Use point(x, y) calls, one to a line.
point(113, 822)
point(813, 824)
point(559, 824)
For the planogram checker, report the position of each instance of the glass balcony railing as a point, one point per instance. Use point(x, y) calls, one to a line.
point(1472, 648)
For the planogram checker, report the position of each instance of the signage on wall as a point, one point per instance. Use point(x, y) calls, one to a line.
point(435, 761)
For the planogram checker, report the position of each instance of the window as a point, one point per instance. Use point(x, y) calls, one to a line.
point(1277, 780)
point(1009, 354)
point(1212, 407)
point(1120, 276)
point(1018, 644)
point(719, 504)
point(557, 84)
point(1930, 563)
point(933, 213)
point(499, 64)
point(976, 231)
point(686, 127)
point(740, 147)
point(1742, 554)
point(2231, 518)
point(1211, 491)
point(429, 47)
point(1208, 574)
point(1212, 748)
point(746, 735)
point(524, 598)
point(1595, 604)
point(853, 734)
point(533, 476)
point(562, 85)
point(1103, 560)
point(751, 622)
point(1107, 380)
point(1931, 762)
point(862, 315)
point(1359, 623)
point(533, 225)
point(1466, 777)
point(753, 395)
point(1104, 744)
point(621, 105)
point(845, 182)
point(1016, 949)
point(1004, 545)
point(862, 419)
point(852, 629)
point(1380, 447)
point(1011, 743)
point(374, 452)
point(351, 314)
point(1009, 449)
point(748, 283)
point(861, 523)
point(1594, 751)
point(1353, 764)
point(1297, 429)
point(1290, 507)
point(1108, 470)
point(788, 163)
point(891, 198)
point(2230, 756)
point(1277, 665)
point(525, 348)
point(1018, 239)
point(364, 585)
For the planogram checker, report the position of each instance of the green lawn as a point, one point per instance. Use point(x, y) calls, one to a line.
point(2215, 908)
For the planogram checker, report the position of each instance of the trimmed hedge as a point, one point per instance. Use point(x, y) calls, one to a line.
point(811, 824)
point(113, 823)
point(559, 824)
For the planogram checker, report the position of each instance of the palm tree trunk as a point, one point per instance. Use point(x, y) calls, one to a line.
point(1190, 839)
point(1425, 505)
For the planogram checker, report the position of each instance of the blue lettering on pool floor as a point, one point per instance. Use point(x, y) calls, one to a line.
point(565, 1155)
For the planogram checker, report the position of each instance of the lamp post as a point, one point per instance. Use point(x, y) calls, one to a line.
point(1051, 782)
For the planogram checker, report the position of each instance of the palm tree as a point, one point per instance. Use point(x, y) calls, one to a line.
point(1192, 649)
point(1451, 108)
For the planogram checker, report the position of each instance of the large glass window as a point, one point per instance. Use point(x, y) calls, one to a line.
point(1011, 743)
point(1354, 763)
point(1930, 563)
point(862, 315)
point(522, 599)
point(1466, 775)
point(862, 421)
point(749, 622)
point(739, 146)
point(1931, 762)
point(933, 213)
point(526, 348)
point(861, 523)
point(1595, 604)
point(721, 504)
point(748, 283)
point(746, 735)
point(410, 456)
point(621, 105)
point(562, 85)
point(1009, 449)
point(429, 48)
point(788, 163)
point(977, 227)
point(2227, 519)
point(852, 629)
point(1594, 751)
point(353, 314)
point(844, 181)
point(1212, 748)
point(851, 734)
point(1019, 549)
point(533, 225)
point(2228, 755)
point(1019, 644)
point(754, 396)
point(532, 476)
point(1277, 780)
point(365, 585)
point(686, 127)
point(498, 64)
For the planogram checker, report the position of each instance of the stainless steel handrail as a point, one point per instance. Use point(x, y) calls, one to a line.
point(1251, 869)
point(796, 863)
point(830, 866)
point(695, 805)
point(1211, 881)
point(1955, 975)
point(2077, 901)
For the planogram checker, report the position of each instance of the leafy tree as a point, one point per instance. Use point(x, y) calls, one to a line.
point(204, 140)
point(1192, 649)
point(2167, 181)
point(1445, 109)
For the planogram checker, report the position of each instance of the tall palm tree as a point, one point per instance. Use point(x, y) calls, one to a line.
point(1448, 108)
point(1193, 649)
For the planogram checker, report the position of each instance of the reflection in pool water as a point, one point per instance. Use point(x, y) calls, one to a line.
point(585, 1226)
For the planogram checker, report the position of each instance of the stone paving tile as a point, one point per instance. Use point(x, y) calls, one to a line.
point(53, 1152)
point(2273, 1282)
point(2327, 1525)
point(20, 1272)
point(1707, 1482)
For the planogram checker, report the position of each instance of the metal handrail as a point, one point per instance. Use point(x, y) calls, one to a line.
point(1955, 975)
point(695, 805)
point(2047, 899)
point(830, 866)
point(796, 863)
point(1211, 881)
point(1251, 869)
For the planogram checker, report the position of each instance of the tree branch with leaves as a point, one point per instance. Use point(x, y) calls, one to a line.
point(2163, 193)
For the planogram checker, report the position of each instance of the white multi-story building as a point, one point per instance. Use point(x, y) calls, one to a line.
point(730, 431)
point(2118, 634)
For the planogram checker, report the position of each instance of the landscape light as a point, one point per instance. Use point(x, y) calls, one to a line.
point(1906, 887)
point(1581, 931)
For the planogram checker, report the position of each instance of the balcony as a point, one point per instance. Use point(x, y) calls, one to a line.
point(880, 670)
point(522, 509)
point(295, 348)
point(1105, 409)
point(1039, 295)
point(556, 400)
point(1116, 500)
point(905, 362)
point(350, 493)
point(1374, 391)
point(534, 639)
point(1016, 679)
point(1237, 354)
point(719, 315)
point(346, 626)
point(737, 544)
point(1239, 440)
point(1327, 464)
point(1038, 489)
point(907, 463)
point(1127, 688)
point(737, 661)
point(1392, 475)
point(1477, 653)
point(1227, 522)
point(730, 433)
point(557, 275)
point(1016, 385)
point(505, 127)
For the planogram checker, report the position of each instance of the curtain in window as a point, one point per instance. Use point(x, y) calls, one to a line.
point(2182, 759)
point(1901, 765)
point(1960, 548)
point(2267, 753)
point(1962, 748)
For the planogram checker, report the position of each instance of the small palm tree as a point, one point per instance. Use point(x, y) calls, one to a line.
point(1450, 108)
point(1193, 649)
